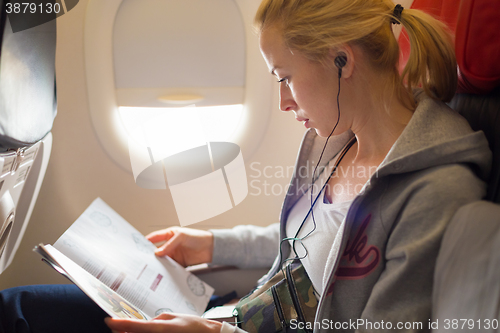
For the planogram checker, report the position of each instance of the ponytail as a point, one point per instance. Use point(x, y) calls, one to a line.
point(432, 63)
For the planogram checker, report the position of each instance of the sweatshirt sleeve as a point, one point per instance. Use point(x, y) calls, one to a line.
point(246, 246)
point(403, 293)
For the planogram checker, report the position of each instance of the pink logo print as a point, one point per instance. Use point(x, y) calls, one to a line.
point(358, 260)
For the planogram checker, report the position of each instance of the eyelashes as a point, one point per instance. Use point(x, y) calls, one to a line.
point(283, 79)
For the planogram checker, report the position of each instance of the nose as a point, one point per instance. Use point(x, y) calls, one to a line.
point(287, 103)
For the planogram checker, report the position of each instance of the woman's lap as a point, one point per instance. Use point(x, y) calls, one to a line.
point(49, 308)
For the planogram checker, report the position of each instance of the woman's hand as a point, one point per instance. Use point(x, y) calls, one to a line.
point(166, 322)
point(184, 245)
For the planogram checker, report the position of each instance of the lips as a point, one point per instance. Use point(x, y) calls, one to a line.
point(304, 121)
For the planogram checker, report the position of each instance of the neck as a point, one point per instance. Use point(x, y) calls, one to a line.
point(382, 118)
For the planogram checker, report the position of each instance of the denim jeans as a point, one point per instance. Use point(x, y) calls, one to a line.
point(58, 309)
point(49, 309)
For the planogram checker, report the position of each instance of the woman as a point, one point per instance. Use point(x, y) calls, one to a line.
point(404, 162)
point(373, 250)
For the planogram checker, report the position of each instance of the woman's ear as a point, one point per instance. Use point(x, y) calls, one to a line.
point(343, 59)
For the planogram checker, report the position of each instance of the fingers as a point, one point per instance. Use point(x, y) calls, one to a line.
point(165, 316)
point(165, 323)
point(161, 235)
point(134, 326)
point(184, 245)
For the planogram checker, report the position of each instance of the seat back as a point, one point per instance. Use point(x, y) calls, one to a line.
point(27, 111)
point(477, 46)
point(467, 276)
point(476, 27)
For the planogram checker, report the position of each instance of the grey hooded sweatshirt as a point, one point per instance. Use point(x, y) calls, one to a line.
point(390, 238)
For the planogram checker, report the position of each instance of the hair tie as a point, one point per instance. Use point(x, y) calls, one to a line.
point(396, 19)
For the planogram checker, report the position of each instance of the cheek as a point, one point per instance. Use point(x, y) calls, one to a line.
point(317, 100)
point(302, 94)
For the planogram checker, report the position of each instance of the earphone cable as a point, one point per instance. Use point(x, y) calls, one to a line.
point(311, 188)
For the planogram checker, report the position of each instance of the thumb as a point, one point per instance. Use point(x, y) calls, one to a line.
point(170, 246)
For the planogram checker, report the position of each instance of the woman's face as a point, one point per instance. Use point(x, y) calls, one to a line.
point(307, 88)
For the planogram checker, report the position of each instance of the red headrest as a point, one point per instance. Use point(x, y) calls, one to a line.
point(476, 24)
point(477, 46)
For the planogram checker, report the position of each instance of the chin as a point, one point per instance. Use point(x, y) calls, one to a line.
point(322, 133)
point(325, 132)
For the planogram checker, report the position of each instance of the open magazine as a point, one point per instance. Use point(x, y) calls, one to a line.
point(116, 267)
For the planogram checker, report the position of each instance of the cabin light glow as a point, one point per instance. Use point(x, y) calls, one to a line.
point(167, 131)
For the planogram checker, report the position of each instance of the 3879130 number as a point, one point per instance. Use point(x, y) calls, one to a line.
point(32, 8)
point(471, 324)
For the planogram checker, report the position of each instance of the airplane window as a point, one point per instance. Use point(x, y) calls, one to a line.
point(141, 55)
point(172, 130)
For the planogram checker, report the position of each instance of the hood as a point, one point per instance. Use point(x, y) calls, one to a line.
point(437, 135)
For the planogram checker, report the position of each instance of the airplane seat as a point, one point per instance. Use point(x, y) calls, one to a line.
point(476, 28)
point(466, 294)
point(477, 47)
point(27, 111)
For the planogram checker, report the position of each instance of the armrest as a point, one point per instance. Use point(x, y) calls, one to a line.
point(225, 279)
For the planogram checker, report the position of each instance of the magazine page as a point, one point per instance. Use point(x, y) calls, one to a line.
point(112, 303)
point(109, 248)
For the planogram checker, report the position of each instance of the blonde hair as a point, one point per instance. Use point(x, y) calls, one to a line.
point(314, 27)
